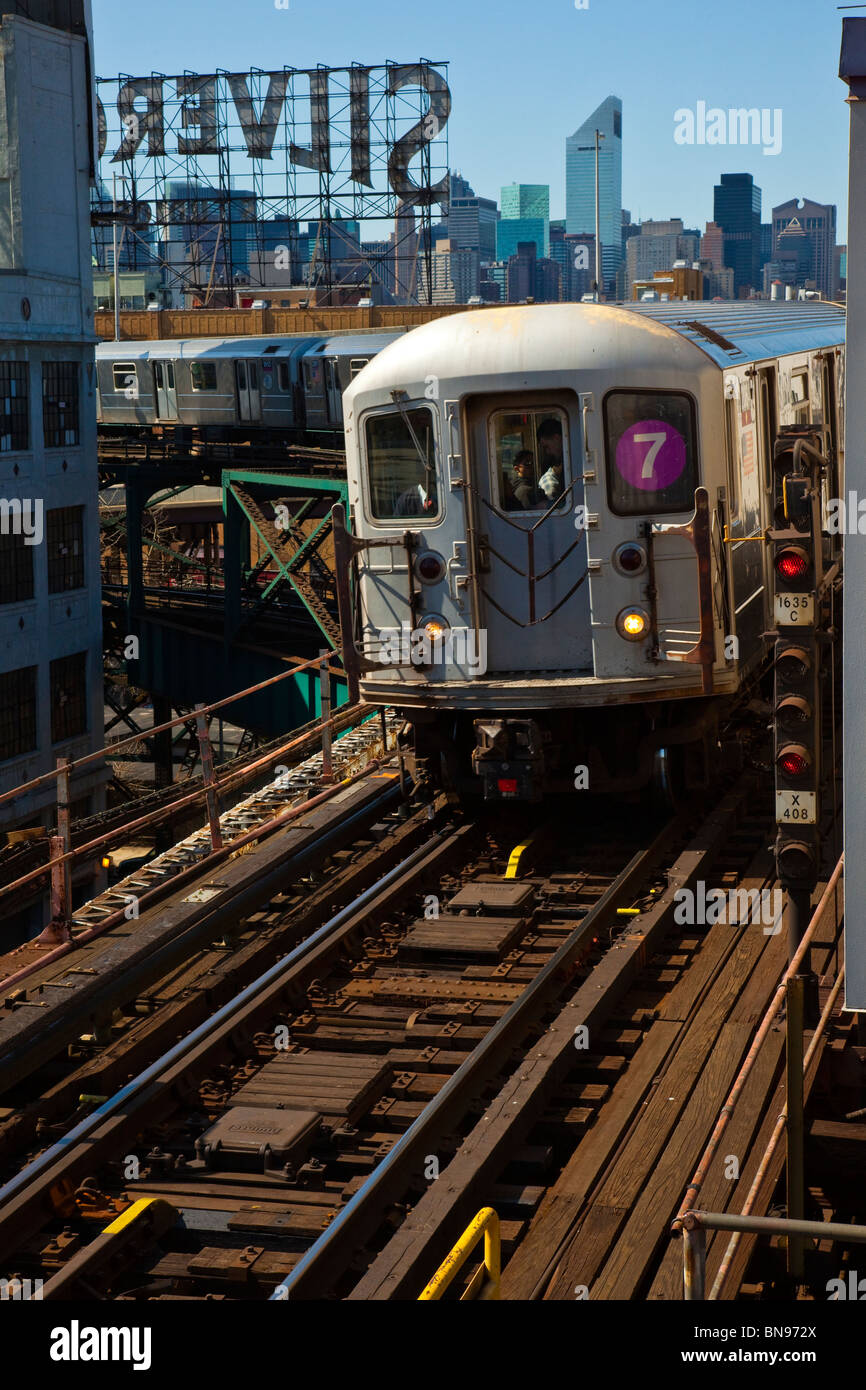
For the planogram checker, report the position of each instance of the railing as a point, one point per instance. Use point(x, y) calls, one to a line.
point(484, 1283)
point(691, 1222)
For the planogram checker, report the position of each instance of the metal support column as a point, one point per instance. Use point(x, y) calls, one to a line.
point(795, 1164)
point(852, 70)
point(213, 813)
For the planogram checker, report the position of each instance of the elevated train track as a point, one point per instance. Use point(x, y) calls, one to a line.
point(332, 1125)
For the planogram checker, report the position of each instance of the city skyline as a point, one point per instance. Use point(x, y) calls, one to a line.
point(661, 177)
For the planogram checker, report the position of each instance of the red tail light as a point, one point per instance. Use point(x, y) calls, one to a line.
point(507, 786)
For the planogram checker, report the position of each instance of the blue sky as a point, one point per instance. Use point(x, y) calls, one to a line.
point(523, 76)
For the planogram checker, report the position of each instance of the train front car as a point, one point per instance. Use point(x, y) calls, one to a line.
point(540, 496)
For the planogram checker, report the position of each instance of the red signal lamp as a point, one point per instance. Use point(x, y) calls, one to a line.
point(794, 760)
point(792, 563)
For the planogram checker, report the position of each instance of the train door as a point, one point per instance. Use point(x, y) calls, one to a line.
point(746, 508)
point(165, 391)
point(333, 394)
point(249, 391)
point(529, 556)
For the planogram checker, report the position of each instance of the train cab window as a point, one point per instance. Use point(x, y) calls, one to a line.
point(650, 449)
point(283, 375)
point(203, 376)
point(529, 453)
point(401, 464)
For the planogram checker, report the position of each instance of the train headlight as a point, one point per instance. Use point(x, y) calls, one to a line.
point(430, 567)
point(633, 624)
point(435, 627)
point(630, 559)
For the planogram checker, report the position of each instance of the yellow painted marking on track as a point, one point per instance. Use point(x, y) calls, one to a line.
point(516, 856)
point(127, 1217)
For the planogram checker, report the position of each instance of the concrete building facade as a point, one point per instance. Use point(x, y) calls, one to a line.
point(51, 682)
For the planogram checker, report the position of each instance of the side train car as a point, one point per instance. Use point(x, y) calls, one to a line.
point(279, 388)
point(554, 511)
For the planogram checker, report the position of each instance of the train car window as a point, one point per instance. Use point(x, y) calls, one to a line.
point(203, 376)
point(169, 375)
point(356, 365)
point(123, 374)
point(529, 456)
point(401, 464)
point(651, 451)
point(242, 375)
point(800, 395)
point(254, 376)
point(732, 443)
point(283, 375)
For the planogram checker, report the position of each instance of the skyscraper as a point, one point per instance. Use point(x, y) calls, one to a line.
point(471, 228)
point(525, 200)
point(737, 210)
point(818, 221)
point(580, 183)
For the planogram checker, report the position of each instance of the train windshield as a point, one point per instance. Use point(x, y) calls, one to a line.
point(401, 464)
point(530, 453)
point(650, 450)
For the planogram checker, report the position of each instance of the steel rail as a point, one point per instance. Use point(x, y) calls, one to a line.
point(14, 792)
point(48, 1168)
point(203, 865)
point(161, 813)
point(485, 1060)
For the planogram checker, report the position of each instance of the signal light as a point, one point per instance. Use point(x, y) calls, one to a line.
point(793, 711)
point(507, 786)
point(795, 860)
point(794, 760)
point(792, 563)
point(794, 664)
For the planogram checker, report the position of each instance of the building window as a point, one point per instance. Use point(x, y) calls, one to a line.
point(16, 569)
point(68, 697)
point(203, 376)
point(14, 407)
point(17, 712)
point(65, 535)
point(60, 404)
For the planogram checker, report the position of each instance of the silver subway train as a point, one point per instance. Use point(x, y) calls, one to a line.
point(557, 517)
point(279, 388)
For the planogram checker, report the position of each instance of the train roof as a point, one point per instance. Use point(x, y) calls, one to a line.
point(356, 343)
point(280, 345)
point(550, 339)
point(750, 331)
point(353, 342)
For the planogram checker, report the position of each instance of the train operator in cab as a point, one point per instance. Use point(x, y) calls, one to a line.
point(520, 487)
point(550, 462)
